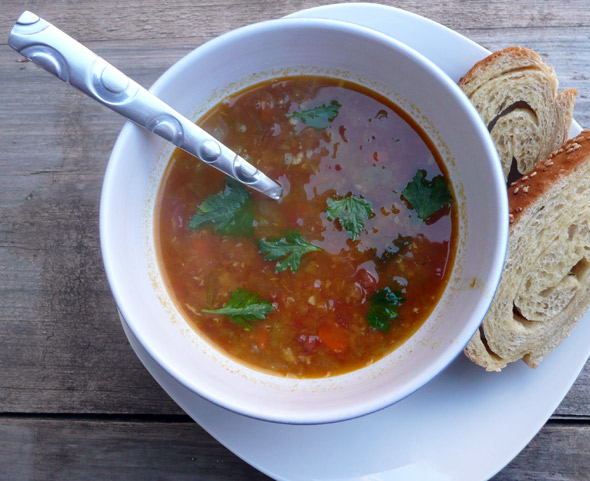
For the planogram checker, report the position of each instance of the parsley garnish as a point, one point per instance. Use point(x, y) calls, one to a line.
point(383, 308)
point(287, 250)
point(427, 196)
point(351, 212)
point(244, 306)
point(230, 211)
point(318, 117)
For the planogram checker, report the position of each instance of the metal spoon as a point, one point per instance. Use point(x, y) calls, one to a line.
point(73, 63)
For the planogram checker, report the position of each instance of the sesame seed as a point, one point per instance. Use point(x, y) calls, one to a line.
point(532, 174)
point(525, 189)
point(516, 190)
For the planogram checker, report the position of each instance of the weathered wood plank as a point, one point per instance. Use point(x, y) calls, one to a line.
point(577, 401)
point(49, 449)
point(557, 453)
point(183, 19)
point(64, 349)
point(39, 450)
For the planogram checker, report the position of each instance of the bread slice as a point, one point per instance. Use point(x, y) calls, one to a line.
point(515, 93)
point(545, 284)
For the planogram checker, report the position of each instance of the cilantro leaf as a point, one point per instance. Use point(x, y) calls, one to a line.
point(351, 212)
point(427, 196)
point(383, 308)
point(318, 117)
point(244, 306)
point(230, 211)
point(287, 250)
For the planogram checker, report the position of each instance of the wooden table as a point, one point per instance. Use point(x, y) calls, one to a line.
point(75, 402)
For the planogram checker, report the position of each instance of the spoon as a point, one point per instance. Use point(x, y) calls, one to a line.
point(60, 54)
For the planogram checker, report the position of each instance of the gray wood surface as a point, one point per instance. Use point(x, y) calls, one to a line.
point(75, 403)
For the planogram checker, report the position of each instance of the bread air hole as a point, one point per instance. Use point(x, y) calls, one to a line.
point(520, 105)
point(514, 173)
point(580, 269)
point(518, 315)
point(484, 341)
point(571, 232)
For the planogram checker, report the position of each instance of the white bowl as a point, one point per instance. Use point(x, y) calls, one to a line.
point(330, 48)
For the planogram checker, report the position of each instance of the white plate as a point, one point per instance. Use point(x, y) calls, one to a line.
point(466, 424)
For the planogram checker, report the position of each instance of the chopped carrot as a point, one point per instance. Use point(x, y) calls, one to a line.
point(333, 336)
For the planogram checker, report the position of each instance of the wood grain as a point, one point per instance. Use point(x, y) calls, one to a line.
point(559, 452)
point(75, 403)
point(70, 449)
point(65, 448)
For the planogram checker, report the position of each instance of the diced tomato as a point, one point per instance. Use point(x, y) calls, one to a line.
point(271, 131)
point(309, 342)
point(367, 279)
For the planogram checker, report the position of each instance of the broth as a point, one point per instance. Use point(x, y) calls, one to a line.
point(346, 266)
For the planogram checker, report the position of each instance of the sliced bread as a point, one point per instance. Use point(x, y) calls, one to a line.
point(516, 94)
point(545, 285)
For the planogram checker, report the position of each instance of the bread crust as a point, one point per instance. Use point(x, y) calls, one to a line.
point(561, 163)
point(509, 58)
point(545, 284)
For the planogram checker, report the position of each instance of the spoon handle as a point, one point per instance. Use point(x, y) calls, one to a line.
point(73, 63)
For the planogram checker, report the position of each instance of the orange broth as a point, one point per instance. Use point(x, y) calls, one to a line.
point(318, 325)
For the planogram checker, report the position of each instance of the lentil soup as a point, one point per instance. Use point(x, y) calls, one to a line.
point(340, 271)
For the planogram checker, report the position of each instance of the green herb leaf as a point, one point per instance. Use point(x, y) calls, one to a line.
point(427, 196)
point(287, 250)
point(244, 306)
point(229, 211)
point(351, 212)
point(383, 308)
point(318, 117)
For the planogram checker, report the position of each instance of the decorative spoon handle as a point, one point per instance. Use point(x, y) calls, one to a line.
point(73, 63)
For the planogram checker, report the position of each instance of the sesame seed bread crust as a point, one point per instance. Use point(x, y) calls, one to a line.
point(560, 163)
point(516, 94)
point(545, 285)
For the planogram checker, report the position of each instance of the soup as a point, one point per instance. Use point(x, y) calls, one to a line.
point(340, 271)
